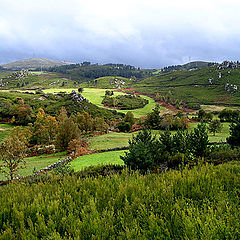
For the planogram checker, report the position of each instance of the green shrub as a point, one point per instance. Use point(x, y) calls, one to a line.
point(201, 203)
point(144, 152)
point(234, 139)
point(125, 102)
point(124, 126)
point(223, 155)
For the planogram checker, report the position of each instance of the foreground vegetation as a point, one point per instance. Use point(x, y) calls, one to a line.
point(201, 203)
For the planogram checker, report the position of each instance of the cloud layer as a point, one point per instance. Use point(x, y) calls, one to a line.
point(151, 33)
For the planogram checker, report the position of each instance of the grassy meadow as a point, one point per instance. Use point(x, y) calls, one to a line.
point(38, 163)
point(104, 158)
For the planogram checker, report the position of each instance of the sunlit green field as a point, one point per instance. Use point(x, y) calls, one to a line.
point(95, 96)
point(112, 157)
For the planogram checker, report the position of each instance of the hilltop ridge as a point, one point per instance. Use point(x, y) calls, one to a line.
point(33, 64)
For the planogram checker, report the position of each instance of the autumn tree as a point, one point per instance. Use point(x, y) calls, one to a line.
point(12, 153)
point(44, 128)
point(99, 125)
point(23, 112)
point(84, 121)
point(67, 130)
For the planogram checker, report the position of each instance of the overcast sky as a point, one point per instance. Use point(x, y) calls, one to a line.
point(144, 33)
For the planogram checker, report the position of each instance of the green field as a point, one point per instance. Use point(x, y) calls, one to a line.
point(115, 139)
point(112, 157)
point(38, 162)
point(95, 96)
point(5, 129)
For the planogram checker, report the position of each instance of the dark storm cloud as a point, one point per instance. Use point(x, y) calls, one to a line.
point(141, 33)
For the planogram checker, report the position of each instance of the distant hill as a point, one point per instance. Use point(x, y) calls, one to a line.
point(33, 64)
point(196, 64)
point(186, 66)
point(215, 84)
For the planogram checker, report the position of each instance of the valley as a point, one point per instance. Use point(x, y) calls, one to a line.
point(163, 127)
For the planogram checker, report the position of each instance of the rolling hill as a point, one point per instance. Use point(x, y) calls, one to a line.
point(33, 64)
point(217, 84)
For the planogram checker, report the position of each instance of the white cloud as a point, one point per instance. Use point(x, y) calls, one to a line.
point(141, 32)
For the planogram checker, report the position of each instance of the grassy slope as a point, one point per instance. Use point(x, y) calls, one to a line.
point(106, 82)
point(214, 93)
point(5, 130)
point(200, 203)
point(36, 80)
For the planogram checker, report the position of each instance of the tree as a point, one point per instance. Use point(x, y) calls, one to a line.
point(143, 151)
point(80, 90)
point(84, 121)
point(153, 119)
point(12, 153)
point(44, 128)
point(23, 112)
point(129, 117)
point(100, 125)
point(234, 138)
point(199, 140)
point(67, 130)
point(215, 126)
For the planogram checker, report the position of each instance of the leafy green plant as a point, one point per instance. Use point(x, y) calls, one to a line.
point(143, 151)
point(234, 139)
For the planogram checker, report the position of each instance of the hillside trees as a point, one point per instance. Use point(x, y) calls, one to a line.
point(12, 153)
point(147, 152)
point(44, 128)
point(67, 130)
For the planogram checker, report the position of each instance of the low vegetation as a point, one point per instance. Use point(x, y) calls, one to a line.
point(201, 203)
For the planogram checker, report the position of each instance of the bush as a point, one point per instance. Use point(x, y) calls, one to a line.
point(228, 115)
point(125, 102)
point(124, 126)
point(144, 152)
point(194, 106)
point(234, 139)
point(224, 154)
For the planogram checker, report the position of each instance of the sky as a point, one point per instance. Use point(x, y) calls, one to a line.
point(143, 33)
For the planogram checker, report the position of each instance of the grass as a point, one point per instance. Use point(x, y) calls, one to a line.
point(111, 140)
point(5, 129)
point(193, 86)
point(38, 162)
point(112, 157)
point(114, 139)
point(95, 96)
